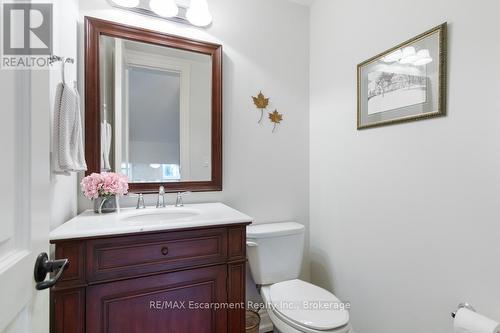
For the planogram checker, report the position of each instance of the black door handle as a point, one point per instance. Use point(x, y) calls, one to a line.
point(44, 266)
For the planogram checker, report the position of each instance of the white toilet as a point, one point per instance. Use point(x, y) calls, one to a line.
point(275, 255)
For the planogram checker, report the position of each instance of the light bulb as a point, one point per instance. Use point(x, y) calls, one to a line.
point(155, 165)
point(198, 13)
point(164, 8)
point(409, 55)
point(126, 3)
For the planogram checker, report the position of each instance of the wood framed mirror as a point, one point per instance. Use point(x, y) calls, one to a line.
point(153, 108)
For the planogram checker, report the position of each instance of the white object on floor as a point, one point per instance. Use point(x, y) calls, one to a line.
point(275, 254)
point(68, 153)
point(467, 321)
point(266, 325)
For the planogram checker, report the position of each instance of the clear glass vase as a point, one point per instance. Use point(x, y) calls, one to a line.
point(103, 205)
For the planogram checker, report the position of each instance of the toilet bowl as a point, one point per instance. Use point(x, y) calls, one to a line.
point(286, 318)
point(275, 254)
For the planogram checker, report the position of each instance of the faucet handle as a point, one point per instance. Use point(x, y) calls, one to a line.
point(180, 195)
point(140, 201)
point(160, 202)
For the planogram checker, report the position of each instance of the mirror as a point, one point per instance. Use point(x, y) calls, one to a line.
point(155, 114)
point(157, 102)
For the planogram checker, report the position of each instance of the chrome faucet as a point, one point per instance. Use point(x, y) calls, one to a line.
point(140, 202)
point(180, 195)
point(160, 203)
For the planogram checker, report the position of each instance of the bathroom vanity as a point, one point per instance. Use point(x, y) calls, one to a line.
point(152, 270)
point(153, 111)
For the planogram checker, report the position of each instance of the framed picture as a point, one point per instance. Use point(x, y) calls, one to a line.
point(407, 82)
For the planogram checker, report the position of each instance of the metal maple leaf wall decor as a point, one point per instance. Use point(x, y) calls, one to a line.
point(262, 102)
point(275, 118)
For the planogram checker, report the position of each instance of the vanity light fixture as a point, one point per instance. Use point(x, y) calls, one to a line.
point(394, 56)
point(409, 55)
point(164, 8)
point(126, 3)
point(423, 58)
point(193, 12)
point(198, 13)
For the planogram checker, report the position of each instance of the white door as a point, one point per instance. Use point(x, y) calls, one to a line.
point(25, 182)
point(26, 179)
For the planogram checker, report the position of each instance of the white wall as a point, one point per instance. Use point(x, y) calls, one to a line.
point(404, 218)
point(265, 47)
point(265, 174)
point(63, 193)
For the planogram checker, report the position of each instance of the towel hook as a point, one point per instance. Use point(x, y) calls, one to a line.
point(54, 58)
point(63, 60)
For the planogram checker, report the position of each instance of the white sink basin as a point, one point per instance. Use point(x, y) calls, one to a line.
point(131, 220)
point(161, 216)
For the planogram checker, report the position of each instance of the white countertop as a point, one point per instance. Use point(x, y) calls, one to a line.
point(89, 224)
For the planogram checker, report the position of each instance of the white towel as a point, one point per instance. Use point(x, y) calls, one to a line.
point(68, 152)
point(106, 135)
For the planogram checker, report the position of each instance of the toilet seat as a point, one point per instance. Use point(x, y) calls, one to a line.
point(306, 307)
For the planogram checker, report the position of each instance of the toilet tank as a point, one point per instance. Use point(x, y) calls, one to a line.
point(275, 251)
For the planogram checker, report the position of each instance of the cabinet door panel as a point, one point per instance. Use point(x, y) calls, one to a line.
point(67, 313)
point(160, 303)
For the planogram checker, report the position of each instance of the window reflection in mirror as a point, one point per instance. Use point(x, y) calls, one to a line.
point(155, 112)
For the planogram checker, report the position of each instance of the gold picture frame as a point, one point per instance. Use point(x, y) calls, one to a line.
point(405, 82)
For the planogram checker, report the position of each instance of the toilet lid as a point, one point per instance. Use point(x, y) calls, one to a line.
point(308, 305)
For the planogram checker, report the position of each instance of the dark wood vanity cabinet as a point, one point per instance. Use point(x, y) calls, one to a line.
point(192, 280)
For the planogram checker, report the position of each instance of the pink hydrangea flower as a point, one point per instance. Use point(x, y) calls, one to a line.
point(104, 184)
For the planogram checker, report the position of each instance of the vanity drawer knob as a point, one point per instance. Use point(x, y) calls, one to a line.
point(164, 250)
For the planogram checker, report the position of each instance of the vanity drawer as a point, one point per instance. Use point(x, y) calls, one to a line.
point(129, 256)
